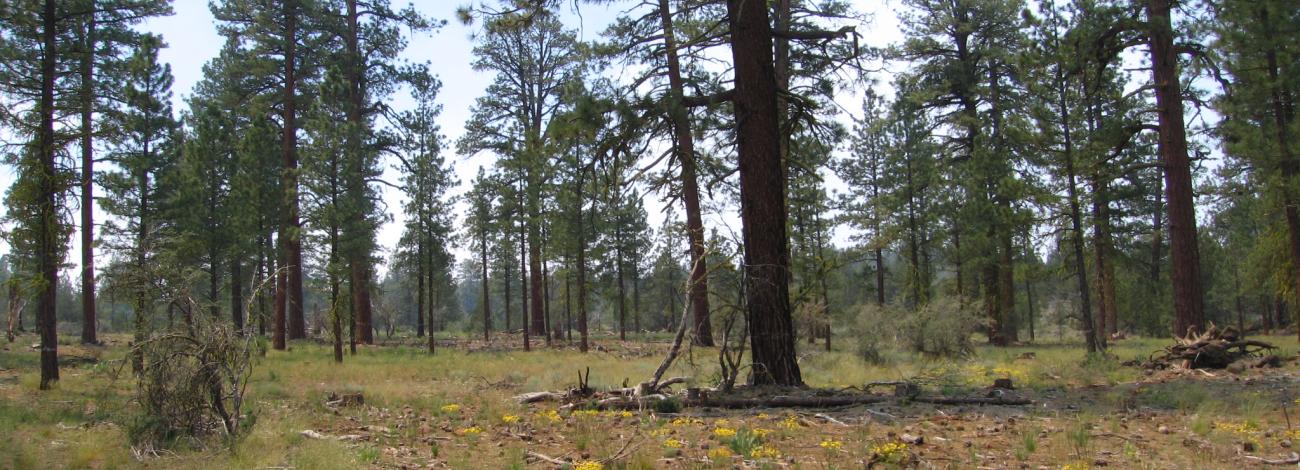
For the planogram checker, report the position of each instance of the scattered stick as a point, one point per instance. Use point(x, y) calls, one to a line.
point(829, 419)
point(545, 458)
point(1295, 459)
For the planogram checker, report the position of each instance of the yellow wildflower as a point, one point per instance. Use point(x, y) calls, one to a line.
point(765, 452)
point(672, 443)
point(509, 419)
point(452, 408)
point(1075, 466)
point(550, 415)
point(724, 432)
point(720, 453)
point(470, 431)
point(586, 413)
point(722, 423)
point(894, 452)
point(791, 422)
point(765, 416)
point(761, 432)
point(625, 414)
point(588, 465)
point(1010, 372)
point(658, 432)
point(831, 444)
point(1236, 428)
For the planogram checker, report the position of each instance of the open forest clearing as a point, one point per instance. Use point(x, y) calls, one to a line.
point(455, 409)
point(974, 234)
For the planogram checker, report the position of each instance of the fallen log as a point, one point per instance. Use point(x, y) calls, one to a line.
point(833, 401)
point(536, 397)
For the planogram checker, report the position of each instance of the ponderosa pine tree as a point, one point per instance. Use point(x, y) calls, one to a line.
point(283, 44)
point(532, 58)
point(1256, 41)
point(104, 36)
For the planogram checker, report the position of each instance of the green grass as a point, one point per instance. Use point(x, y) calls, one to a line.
point(81, 422)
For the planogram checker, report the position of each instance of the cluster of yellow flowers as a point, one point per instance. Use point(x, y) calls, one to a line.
point(1292, 434)
point(761, 432)
point(470, 431)
point(1236, 428)
point(618, 414)
point(724, 433)
point(831, 444)
point(765, 416)
point(509, 419)
point(550, 416)
point(586, 413)
point(1075, 466)
point(588, 465)
point(1010, 372)
point(685, 421)
point(791, 422)
point(673, 443)
point(659, 432)
point(890, 452)
point(765, 452)
point(720, 453)
point(452, 408)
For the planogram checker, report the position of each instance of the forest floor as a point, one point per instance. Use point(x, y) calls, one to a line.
point(454, 410)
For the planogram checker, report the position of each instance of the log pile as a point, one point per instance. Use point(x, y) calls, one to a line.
point(1214, 349)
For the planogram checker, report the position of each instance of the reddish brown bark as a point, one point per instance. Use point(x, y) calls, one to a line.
point(1189, 306)
point(698, 288)
point(762, 196)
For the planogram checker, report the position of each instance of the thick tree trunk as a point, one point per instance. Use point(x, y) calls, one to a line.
point(1189, 309)
point(762, 196)
point(291, 228)
point(361, 303)
point(88, 320)
point(47, 230)
point(698, 288)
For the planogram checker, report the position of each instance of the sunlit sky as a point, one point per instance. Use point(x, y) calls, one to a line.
point(192, 40)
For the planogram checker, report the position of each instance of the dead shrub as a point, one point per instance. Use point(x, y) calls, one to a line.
point(193, 383)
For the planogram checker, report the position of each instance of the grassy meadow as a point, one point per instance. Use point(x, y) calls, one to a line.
point(454, 410)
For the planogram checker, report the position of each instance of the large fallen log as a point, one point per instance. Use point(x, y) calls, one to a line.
point(830, 401)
